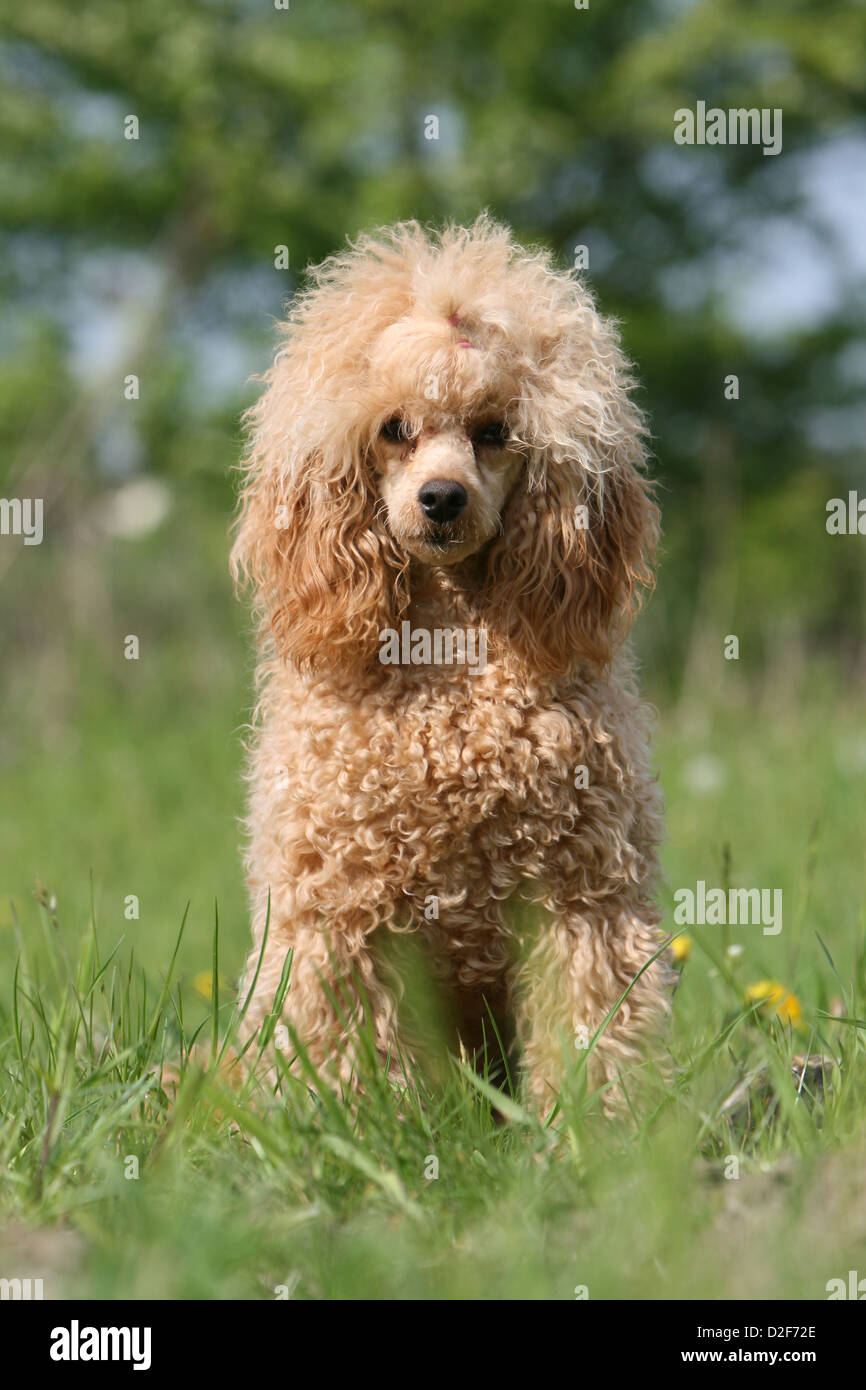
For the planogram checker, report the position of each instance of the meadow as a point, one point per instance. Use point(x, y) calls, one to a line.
point(740, 1177)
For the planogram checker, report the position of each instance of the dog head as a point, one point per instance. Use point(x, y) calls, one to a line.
point(446, 401)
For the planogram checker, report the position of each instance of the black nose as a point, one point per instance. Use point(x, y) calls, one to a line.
point(442, 500)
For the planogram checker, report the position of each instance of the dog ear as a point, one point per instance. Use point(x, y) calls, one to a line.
point(328, 577)
point(579, 533)
point(563, 578)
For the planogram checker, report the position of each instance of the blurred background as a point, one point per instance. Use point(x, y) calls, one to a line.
point(261, 128)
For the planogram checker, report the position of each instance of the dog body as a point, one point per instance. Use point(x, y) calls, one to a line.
point(447, 445)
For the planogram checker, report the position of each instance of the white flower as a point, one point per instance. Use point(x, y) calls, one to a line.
point(136, 508)
point(704, 773)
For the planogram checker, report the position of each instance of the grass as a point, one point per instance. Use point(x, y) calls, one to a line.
point(111, 1186)
point(122, 781)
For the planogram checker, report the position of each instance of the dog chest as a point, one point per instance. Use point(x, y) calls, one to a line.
point(451, 749)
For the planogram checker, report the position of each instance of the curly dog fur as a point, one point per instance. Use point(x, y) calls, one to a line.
point(446, 439)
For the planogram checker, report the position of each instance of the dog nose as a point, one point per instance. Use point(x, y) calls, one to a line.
point(442, 500)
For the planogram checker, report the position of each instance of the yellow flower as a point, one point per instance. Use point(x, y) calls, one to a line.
point(775, 999)
point(203, 983)
point(681, 947)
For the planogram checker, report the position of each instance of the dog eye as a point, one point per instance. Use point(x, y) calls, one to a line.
point(394, 430)
point(496, 435)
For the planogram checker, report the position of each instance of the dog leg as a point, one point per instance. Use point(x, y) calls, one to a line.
point(579, 968)
point(334, 991)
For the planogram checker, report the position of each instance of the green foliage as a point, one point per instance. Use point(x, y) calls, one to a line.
point(237, 1195)
point(261, 127)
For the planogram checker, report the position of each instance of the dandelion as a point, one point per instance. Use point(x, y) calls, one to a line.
point(681, 947)
point(203, 984)
point(776, 1000)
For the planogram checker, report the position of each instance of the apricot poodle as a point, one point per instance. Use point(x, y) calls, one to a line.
point(447, 525)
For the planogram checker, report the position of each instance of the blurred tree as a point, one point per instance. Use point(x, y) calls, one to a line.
point(260, 127)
